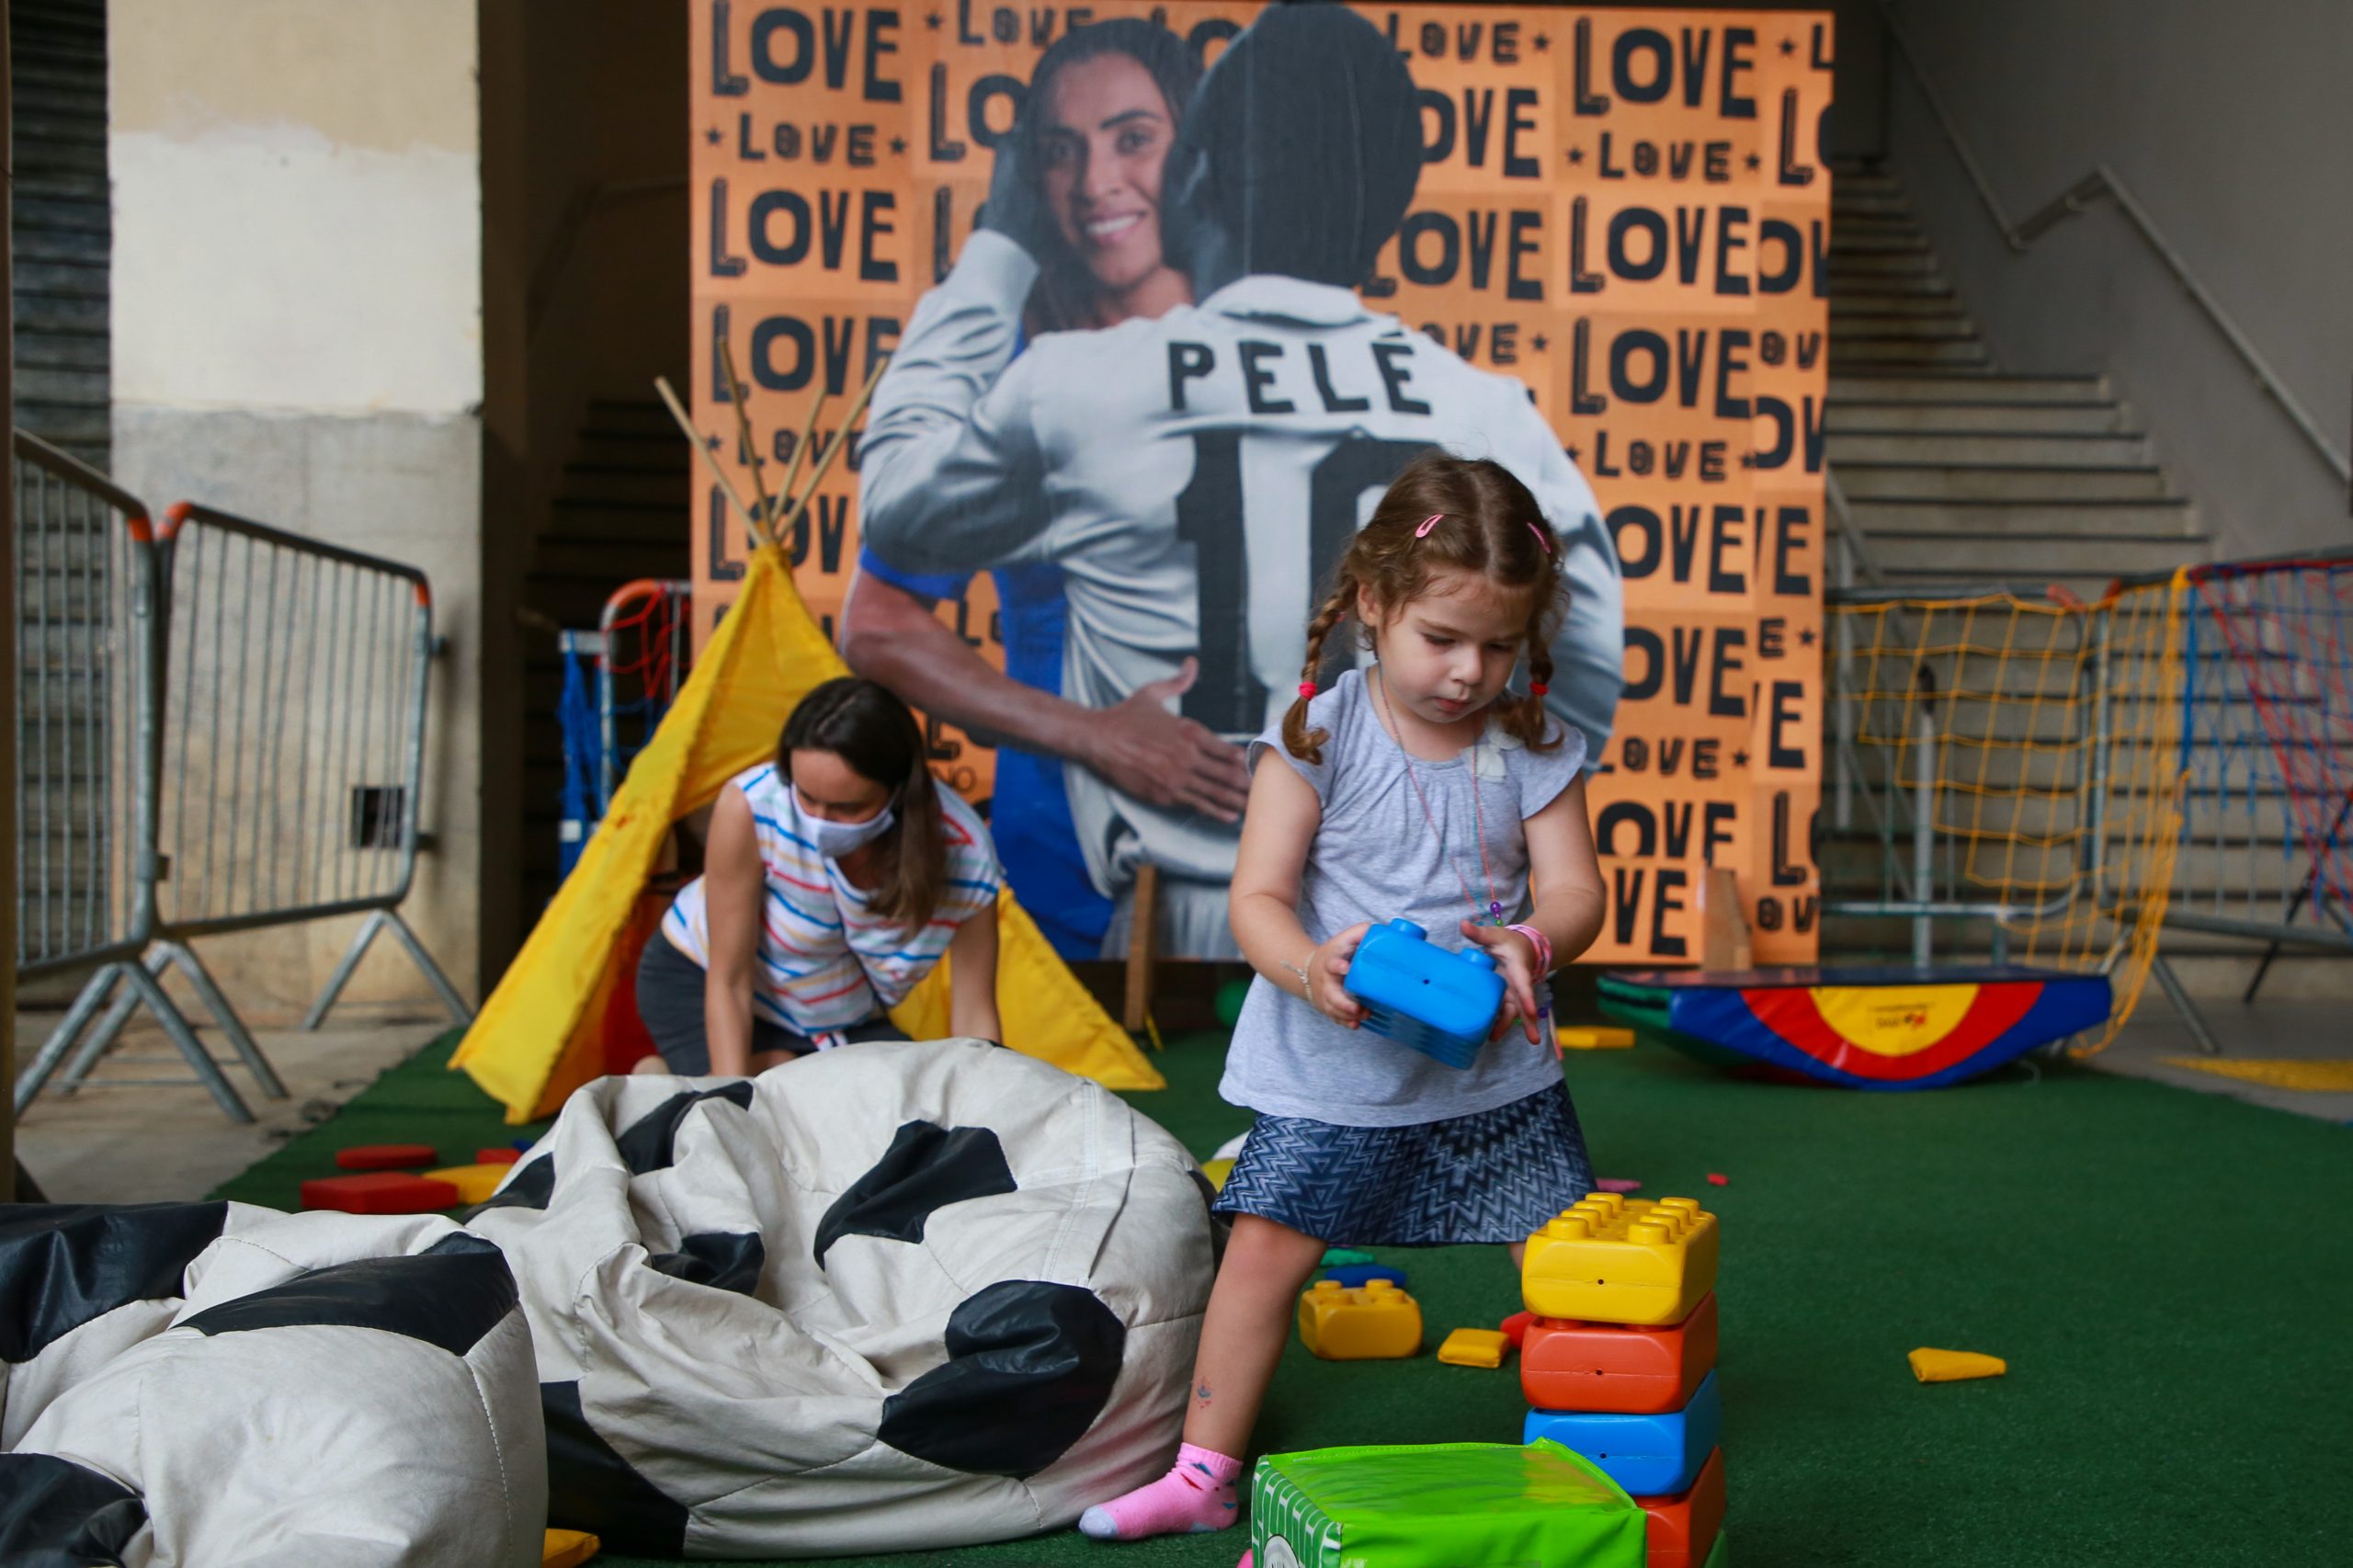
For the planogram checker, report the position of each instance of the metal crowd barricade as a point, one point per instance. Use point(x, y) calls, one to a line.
point(286, 707)
point(83, 594)
point(2012, 763)
point(2266, 759)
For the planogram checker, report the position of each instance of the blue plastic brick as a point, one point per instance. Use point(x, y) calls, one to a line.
point(1650, 1456)
point(1442, 1004)
point(1356, 1275)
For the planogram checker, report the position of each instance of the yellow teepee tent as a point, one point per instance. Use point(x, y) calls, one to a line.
point(536, 1039)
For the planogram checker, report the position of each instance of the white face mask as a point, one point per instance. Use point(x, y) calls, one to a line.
point(836, 839)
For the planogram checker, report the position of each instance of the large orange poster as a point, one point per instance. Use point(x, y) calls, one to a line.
point(1623, 210)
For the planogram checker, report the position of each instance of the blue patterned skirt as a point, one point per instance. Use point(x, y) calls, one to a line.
point(1493, 1176)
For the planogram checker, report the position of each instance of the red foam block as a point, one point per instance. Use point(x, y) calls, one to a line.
point(387, 1157)
point(1616, 1369)
point(499, 1156)
point(1682, 1529)
point(379, 1192)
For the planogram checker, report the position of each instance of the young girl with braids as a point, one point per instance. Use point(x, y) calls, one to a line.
point(1422, 788)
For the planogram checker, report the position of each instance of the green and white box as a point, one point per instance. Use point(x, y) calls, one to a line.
point(1443, 1505)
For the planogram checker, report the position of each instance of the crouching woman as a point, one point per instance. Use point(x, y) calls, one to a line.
point(835, 877)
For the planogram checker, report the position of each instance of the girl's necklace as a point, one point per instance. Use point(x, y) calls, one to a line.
point(1478, 817)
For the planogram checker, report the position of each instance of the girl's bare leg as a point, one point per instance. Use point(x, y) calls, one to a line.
point(1251, 1310)
point(1243, 1335)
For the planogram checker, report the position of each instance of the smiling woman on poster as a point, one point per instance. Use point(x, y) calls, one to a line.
point(1072, 239)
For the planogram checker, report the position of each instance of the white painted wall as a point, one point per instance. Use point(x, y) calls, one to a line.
point(297, 319)
point(298, 205)
point(2232, 124)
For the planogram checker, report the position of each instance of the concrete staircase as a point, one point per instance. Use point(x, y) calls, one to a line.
point(1958, 473)
point(1955, 472)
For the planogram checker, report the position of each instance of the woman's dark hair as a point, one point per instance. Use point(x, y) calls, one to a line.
point(867, 726)
point(1065, 296)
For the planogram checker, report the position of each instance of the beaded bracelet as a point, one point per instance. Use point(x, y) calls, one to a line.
point(1543, 944)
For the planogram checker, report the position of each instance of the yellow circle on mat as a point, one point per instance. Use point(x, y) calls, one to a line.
point(1892, 1020)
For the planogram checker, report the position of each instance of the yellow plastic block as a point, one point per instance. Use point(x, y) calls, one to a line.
point(1474, 1347)
point(568, 1549)
point(1217, 1171)
point(1618, 1259)
point(474, 1183)
point(1379, 1322)
point(1954, 1365)
point(1597, 1038)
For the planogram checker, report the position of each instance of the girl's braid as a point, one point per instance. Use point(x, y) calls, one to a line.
point(1301, 741)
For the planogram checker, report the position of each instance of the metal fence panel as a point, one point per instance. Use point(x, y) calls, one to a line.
point(85, 649)
point(273, 753)
point(293, 726)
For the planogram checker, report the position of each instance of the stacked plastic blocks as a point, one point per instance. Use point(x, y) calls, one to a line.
point(1619, 1363)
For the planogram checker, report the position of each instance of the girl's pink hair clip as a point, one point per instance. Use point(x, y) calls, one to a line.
point(1436, 518)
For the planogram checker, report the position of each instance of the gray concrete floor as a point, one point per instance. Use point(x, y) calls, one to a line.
point(114, 1141)
point(2298, 1028)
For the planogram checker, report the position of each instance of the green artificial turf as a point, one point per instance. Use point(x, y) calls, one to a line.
point(2169, 1275)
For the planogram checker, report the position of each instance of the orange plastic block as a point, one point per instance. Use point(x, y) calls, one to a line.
point(1615, 1259)
point(386, 1157)
point(1683, 1530)
point(1614, 1369)
point(1377, 1323)
point(378, 1192)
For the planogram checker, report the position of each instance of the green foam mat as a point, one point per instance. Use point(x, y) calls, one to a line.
point(2165, 1272)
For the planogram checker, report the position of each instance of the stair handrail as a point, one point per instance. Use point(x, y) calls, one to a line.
point(1856, 550)
point(2103, 182)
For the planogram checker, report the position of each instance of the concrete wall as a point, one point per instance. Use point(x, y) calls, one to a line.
point(2232, 125)
point(297, 317)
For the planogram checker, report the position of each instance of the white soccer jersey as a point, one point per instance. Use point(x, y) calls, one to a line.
point(1196, 477)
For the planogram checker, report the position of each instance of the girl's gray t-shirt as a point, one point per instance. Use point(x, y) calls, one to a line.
point(1376, 858)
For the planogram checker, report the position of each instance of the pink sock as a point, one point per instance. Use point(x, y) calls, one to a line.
point(1195, 1495)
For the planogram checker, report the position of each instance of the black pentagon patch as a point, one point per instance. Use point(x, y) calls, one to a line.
point(1029, 1367)
point(926, 1167)
point(722, 1261)
point(57, 1513)
point(451, 1295)
point(62, 1265)
point(529, 1188)
point(645, 1147)
point(592, 1488)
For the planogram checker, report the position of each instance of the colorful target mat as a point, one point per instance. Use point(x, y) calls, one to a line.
point(1863, 1028)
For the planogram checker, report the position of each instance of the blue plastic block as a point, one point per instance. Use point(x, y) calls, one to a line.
point(1650, 1456)
point(1356, 1275)
point(1442, 1004)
